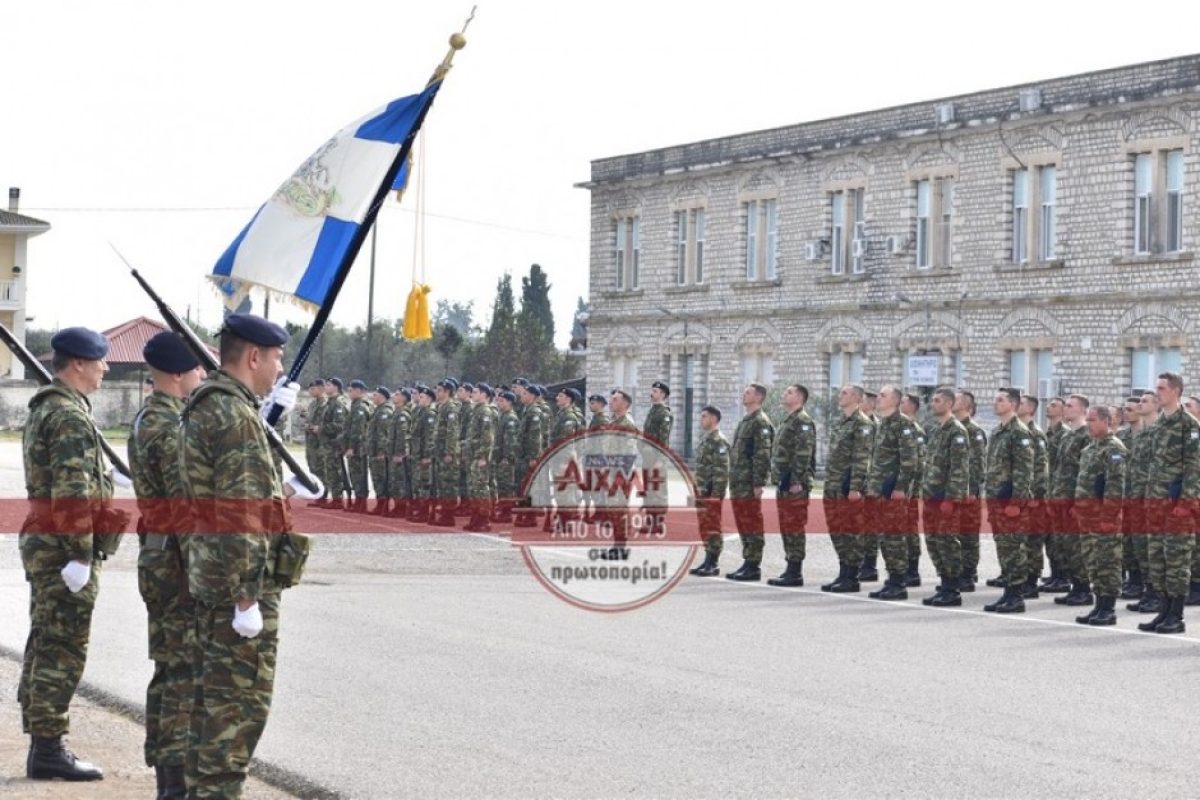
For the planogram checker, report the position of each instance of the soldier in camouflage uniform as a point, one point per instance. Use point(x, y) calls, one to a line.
point(869, 570)
point(356, 444)
point(749, 472)
point(448, 449)
point(657, 428)
point(1037, 510)
point(910, 405)
point(712, 480)
point(162, 572)
point(66, 483)
point(480, 443)
point(849, 462)
point(793, 462)
point(506, 455)
point(379, 435)
point(617, 509)
point(598, 405)
point(1008, 487)
point(1134, 585)
point(422, 452)
point(893, 464)
point(240, 521)
point(333, 438)
point(567, 423)
point(1055, 431)
point(1099, 495)
point(464, 395)
point(1172, 491)
point(532, 442)
point(1136, 478)
point(944, 489)
point(1062, 493)
point(971, 512)
point(400, 491)
point(311, 417)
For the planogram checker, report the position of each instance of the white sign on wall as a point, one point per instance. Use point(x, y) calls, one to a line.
point(923, 370)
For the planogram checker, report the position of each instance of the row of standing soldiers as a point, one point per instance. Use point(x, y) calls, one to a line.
point(1100, 499)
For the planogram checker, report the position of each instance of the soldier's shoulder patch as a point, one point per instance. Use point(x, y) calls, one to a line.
point(906, 431)
point(804, 426)
point(1026, 442)
point(979, 436)
point(451, 415)
point(722, 450)
point(1041, 444)
point(866, 429)
point(1196, 434)
point(765, 431)
point(1118, 456)
point(511, 423)
point(960, 440)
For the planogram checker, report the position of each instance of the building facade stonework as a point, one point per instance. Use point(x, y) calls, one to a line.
point(1042, 236)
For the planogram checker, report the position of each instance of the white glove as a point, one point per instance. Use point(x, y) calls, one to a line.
point(298, 489)
point(76, 575)
point(119, 479)
point(248, 623)
point(284, 394)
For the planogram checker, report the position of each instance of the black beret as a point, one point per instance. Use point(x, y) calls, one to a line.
point(535, 390)
point(317, 382)
point(598, 398)
point(80, 343)
point(405, 393)
point(449, 383)
point(383, 390)
point(660, 385)
point(470, 387)
point(336, 382)
point(483, 387)
point(166, 351)
point(574, 395)
point(419, 387)
point(520, 381)
point(509, 396)
point(541, 390)
point(871, 395)
point(256, 330)
point(357, 384)
point(425, 390)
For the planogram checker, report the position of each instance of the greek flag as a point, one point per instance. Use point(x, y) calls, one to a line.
point(298, 241)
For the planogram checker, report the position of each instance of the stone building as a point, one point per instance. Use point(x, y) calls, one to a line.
point(1041, 236)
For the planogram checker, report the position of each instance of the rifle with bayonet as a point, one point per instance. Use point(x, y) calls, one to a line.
point(43, 377)
point(201, 351)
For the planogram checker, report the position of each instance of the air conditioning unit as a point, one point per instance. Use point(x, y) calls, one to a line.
point(1029, 99)
point(896, 245)
point(1049, 387)
point(813, 251)
point(945, 113)
point(858, 248)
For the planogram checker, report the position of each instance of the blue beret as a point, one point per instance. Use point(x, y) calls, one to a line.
point(425, 390)
point(383, 390)
point(317, 382)
point(357, 384)
point(571, 393)
point(405, 393)
point(535, 390)
point(80, 343)
point(519, 381)
point(337, 382)
point(449, 384)
point(470, 387)
point(509, 396)
point(598, 398)
point(660, 385)
point(483, 387)
point(256, 330)
point(166, 351)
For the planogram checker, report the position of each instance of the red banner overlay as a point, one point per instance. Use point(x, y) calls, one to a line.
point(581, 526)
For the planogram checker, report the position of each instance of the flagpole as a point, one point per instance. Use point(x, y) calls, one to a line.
point(371, 295)
point(457, 42)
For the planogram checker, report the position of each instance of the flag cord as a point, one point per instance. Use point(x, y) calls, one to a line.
point(418, 268)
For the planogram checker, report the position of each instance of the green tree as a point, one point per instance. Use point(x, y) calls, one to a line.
point(535, 302)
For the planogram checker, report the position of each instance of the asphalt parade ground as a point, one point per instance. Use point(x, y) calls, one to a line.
point(435, 665)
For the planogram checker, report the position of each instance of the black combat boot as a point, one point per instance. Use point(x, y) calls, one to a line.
point(913, 576)
point(947, 596)
point(966, 581)
point(49, 759)
point(174, 787)
point(868, 572)
point(1104, 613)
point(1029, 589)
point(1080, 595)
point(894, 588)
point(1173, 621)
point(1193, 595)
point(707, 569)
point(1149, 603)
point(828, 587)
point(1133, 587)
point(1152, 625)
point(748, 571)
point(1057, 582)
point(790, 577)
point(1009, 603)
point(998, 582)
point(847, 581)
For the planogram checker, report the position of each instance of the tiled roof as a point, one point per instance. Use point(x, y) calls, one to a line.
point(10, 219)
point(126, 341)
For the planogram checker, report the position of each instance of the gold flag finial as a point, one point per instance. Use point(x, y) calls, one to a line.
point(457, 42)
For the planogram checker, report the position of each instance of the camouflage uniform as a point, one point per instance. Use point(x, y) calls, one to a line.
point(1038, 509)
point(870, 518)
point(1099, 492)
point(312, 441)
point(333, 444)
point(480, 443)
point(532, 442)
point(506, 457)
point(750, 469)
point(1134, 518)
point(162, 576)
point(422, 452)
point(400, 467)
point(1070, 548)
point(1054, 437)
point(1009, 483)
point(712, 480)
point(893, 464)
point(657, 428)
point(594, 500)
point(912, 530)
point(448, 449)
point(1172, 490)
point(1126, 435)
point(946, 478)
point(379, 436)
point(67, 483)
point(225, 460)
point(566, 424)
point(356, 440)
point(849, 463)
point(618, 515)
point(971, 517)
point(793, 462)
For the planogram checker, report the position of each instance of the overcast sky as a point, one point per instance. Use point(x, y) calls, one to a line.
point(161, 127)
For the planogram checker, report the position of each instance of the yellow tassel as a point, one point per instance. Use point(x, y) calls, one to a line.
point(416, 313)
